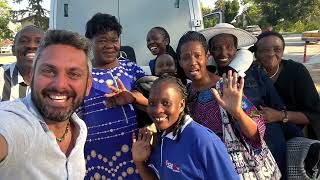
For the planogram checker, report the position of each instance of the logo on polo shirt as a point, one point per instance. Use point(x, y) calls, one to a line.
point(172, 166)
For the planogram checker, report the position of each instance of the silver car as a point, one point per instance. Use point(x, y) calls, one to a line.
point(254, 30)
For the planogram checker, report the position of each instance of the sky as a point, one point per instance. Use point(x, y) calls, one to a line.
point(209, 3)
point(24, 3)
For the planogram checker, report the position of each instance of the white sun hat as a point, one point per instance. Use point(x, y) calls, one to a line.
point(244, 37)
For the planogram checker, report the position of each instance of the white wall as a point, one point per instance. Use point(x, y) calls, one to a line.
point(136, 16)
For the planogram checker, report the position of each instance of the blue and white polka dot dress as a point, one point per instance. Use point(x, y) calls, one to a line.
point(108, 146)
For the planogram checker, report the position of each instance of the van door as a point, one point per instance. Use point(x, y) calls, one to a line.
point(195, 15)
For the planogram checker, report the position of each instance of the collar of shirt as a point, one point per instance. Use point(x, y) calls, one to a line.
point(34, 110)
point(188, 120)
point(15, 75)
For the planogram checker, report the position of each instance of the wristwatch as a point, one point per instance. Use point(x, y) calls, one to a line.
point(285, 119)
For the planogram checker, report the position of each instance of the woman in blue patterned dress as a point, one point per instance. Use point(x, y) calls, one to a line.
point(108, 146)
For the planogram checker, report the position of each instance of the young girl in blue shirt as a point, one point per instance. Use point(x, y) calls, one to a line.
point(185, 149)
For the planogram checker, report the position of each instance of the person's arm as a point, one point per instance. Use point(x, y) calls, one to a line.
point(3, 148)
point(273, 115)
point(121, 96)
point(248, 127)
point(231, 101)
point(304, 96)
point(141, 151)
point(139, 98)
point(145, 171)
point(307, 98)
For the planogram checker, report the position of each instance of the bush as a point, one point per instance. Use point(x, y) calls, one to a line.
point(209, 23)
point(296, 27)
point(312, 25)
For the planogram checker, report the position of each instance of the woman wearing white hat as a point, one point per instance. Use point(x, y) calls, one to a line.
point(223, 41)
point(220, 105)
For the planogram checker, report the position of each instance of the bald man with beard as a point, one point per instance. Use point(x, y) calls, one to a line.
point(15, 77)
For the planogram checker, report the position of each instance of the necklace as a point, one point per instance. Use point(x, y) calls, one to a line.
point(275, 72)
point(64, 134)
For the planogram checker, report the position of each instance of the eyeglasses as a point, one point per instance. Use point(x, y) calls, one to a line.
point(276, 50)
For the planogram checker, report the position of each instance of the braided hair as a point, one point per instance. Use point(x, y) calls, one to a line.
point(191, 36)
point(172, 53)
point(182, 90)
point(165, 34)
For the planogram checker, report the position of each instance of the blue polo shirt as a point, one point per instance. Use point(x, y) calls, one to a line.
point(199, 154)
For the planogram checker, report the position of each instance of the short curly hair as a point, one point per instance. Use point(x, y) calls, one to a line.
point(266, 34)
point(101, 23)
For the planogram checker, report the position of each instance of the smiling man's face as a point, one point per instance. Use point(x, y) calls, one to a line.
point(25, 47)
point(58, 88)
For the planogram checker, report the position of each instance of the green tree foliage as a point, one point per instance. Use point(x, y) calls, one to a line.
point(231, 10)
point(284, 15)
point(34, 9)
point(312, 25)
point(208, 22)
point(205, 10)
point(219, 5)
point(5, 32)
point(253, 15)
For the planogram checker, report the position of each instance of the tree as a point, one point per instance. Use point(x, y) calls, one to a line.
point(250, 15)
point(207, 22)
point(5, 32)
point(219, 5)
point(34, 8)
point(231, 10)
point(288, 11)
point(284, 15)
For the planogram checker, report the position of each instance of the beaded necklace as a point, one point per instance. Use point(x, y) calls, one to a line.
point(275, 72)
point(64, 134)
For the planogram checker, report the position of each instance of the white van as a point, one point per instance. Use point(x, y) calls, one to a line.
point(136, 16)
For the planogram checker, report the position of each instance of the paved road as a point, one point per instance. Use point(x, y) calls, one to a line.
point(295, 49)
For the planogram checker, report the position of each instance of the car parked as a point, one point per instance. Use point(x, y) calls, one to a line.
point(254, 30)
point(311, 36)
point(6, 49)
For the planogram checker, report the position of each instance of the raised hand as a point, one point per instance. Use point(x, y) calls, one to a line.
point(141, 148)
point(119, 96)
point(232, 91)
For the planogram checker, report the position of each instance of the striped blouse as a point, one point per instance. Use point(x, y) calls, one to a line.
point(12, 85)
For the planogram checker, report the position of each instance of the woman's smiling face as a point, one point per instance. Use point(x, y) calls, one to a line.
point(156, 42)
point(165, 105)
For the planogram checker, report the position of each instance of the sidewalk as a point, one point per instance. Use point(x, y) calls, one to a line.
point(7, 58)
